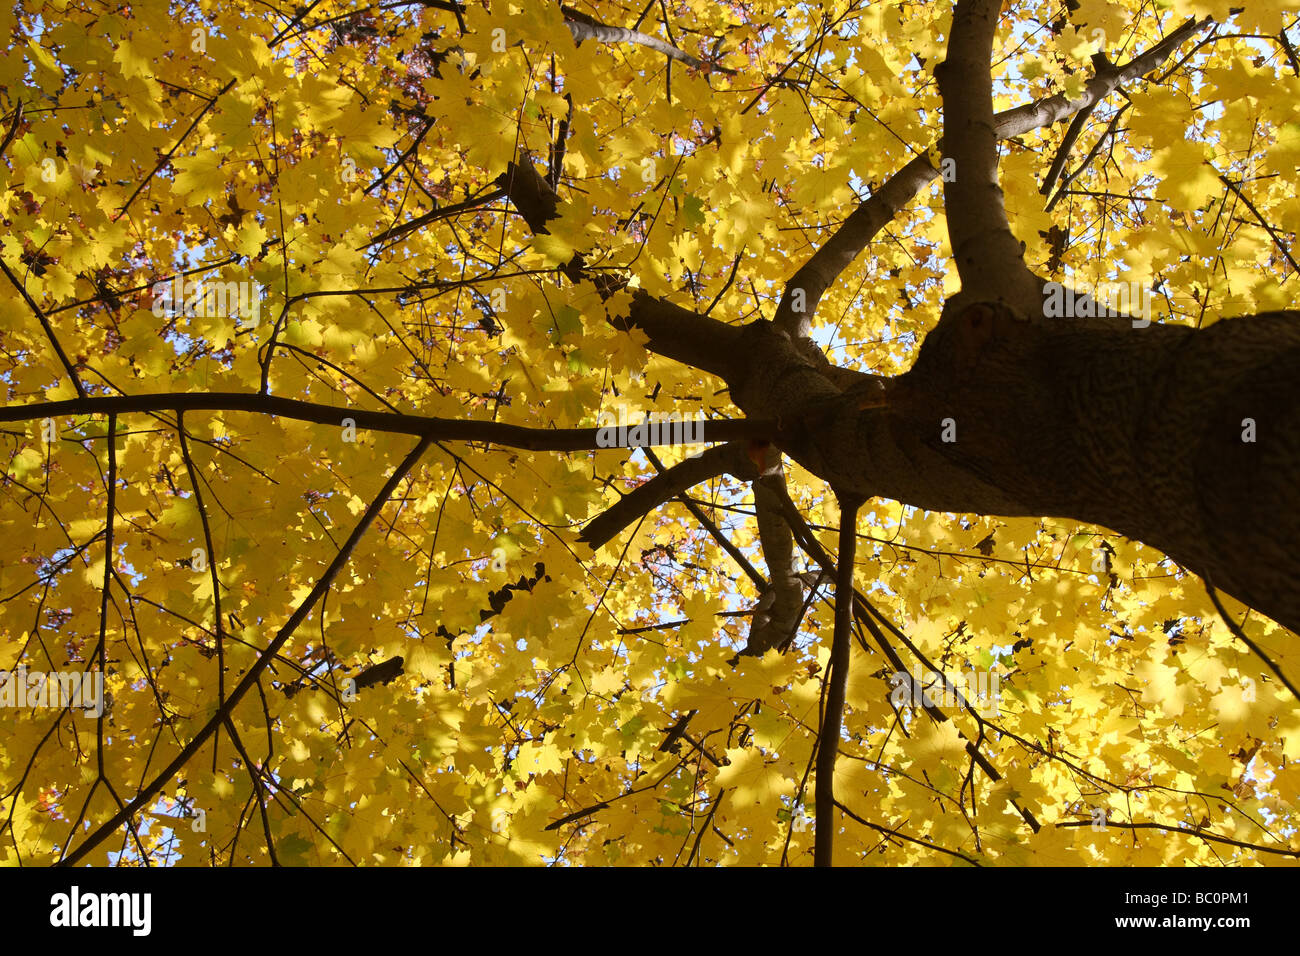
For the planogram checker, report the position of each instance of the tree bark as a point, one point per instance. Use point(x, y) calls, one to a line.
point(1184, 439)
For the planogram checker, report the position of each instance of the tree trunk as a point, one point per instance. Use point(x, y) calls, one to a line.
point(1186, 440)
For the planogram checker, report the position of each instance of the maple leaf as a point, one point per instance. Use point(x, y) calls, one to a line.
point(368, 542)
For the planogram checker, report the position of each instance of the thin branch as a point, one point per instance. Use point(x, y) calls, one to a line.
point(49, 331)
point(1277, 240)
point(1208, 837)
point(1087, 160)
point(12, 131)
point(1063, 151)
point(903, 836)
point(406, 154)
point(708, 821)
point(1241, 636)
point(322, 585)
point(211, 553)
point(167, 157)
point(863, 612)
point(440, 429)
point(711, 527)
point(443, 212)
point(828, 736)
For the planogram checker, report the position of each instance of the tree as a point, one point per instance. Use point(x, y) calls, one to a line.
point(337, 532)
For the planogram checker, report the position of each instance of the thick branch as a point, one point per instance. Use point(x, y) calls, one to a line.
point(872, 215)
point(782, 607)
point(674, 332)
point(1184, 439)
point(987, 254)
point(718, 460)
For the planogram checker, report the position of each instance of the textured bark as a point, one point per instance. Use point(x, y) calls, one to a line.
point(1137, 430)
